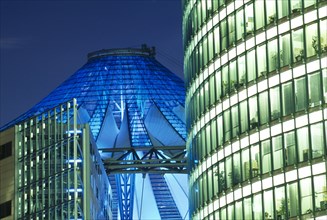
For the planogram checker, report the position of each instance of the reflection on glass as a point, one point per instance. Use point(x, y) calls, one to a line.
point(312, 43)
point(306, 199)
point(300, 94)
point(284, 50)
point(293, 201)
point(298, 49)
point(274, 103)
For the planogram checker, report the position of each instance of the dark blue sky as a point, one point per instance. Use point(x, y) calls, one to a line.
point(43, 42)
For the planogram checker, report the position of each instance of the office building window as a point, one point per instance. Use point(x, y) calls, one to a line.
point(306, 196)
point(290, 151)
point(288, 98)
point(297, 43)
point(259, 14)
point(274, 103)
point(263, 107)
point(284, 50)
point(5, 209)
point(303, 144)
point(5, 150)
point(312, 42)
point(300, 94)
point(266, 156)
point(292, 195)
point(314, 89)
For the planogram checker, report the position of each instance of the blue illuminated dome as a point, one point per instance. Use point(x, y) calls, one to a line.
point(130, 100)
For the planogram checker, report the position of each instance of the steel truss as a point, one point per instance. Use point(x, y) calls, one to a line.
point(162, 159)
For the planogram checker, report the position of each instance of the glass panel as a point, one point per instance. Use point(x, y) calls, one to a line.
point(290, 154)
point(232, 76)
point(247, 204)
point(239, 24)
point(238, 210)
point(284, 50)
point(320, 192)
point(317, 140)
point(280, 203)
point(288, 99)
point(261, 60)
point(213, 134)
point(220, 130)
point(212, 90)
point(253, 106)
point(274, 103)
point(221, 177)
point(229, 171)
point(231, 30)
point(272, 55)
point(293, 201)
point(246, 165)
point(210, 45)
point(306, 196)
point(266, 156)
point(255, 160)
point(298, 49)
point(278, 152)
point(308, 3)
point(312, 44)
point(300, 94)
point(244, 116)
point(296, 5)
point(282, 8)
point(226, 88)
point(303, 144)
point(205, 50)
point(324, 76)
point(323, 35)
point(264, 110)
point(227, 129)
point(230, 210)
point(257, 207)
point(314, 89)
point(217, 40)
point(235, 124)
point(271, 11)
point(269, 204)
point(218, 85)
point(236, 168)
point(241, 70)
point(251, 65)
point(215, 178)
point(223, 34)
point(259, 14)
point(249, 21)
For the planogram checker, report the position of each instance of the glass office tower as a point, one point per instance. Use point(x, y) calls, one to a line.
point(256, 80)
point(53, 169)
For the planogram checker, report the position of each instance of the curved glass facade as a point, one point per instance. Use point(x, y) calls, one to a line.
point(256, 85)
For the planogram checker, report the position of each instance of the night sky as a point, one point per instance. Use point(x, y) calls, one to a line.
point(43, 42)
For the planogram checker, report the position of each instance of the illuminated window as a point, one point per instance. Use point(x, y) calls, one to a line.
point(306, 196)
point(314, 89)
point(297, 42)
point(271, 11)
point(284, 50)
point(259, 14)
point(288, 98)
point(282, 8)
point(292, 195)
point(300, 94)
point(312, 42)
point(303, 144)
point(274, 103)
point(266, 156)
point(278, 152)
point(263, 107)
point(268, 204)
